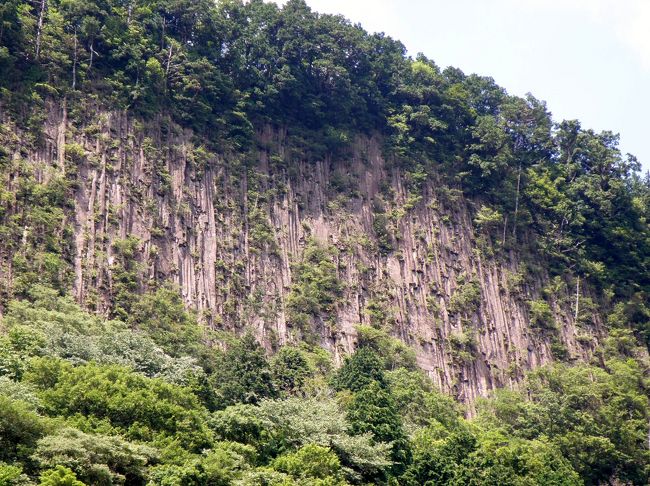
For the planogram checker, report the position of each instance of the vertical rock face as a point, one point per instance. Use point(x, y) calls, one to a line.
point(229, 231)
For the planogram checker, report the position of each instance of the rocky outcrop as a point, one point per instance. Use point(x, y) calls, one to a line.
point(227, 230)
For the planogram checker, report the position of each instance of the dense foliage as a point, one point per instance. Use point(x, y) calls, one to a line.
point(86, 401)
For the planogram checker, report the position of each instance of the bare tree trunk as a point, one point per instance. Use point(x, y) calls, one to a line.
point(39, 28)
point(514, 223)
point(169, 60)
point(577, 299)
point(74, 62)
point(92, 51)
point(162, 37)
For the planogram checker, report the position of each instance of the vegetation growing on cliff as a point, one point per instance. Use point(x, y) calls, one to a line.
point(316, 288)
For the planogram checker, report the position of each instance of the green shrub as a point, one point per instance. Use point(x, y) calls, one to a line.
point(12, 475)
point(380, 225)
point(60, 476)
point(462, 346)
point(95, 459)
point(541, 315)
point(310, 461)
point(466, 299)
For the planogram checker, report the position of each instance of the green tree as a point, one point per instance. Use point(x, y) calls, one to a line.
point(437, 461)
point(95, 459)
point(316, 286)
point(12, 475)
point(310, 461)
point(359, 370)
point(322, 422)
point(394, 352)
point(60, 476)
point(290, 370)
point(597, 418)
point(372, 410)
point(244, 375)
point(498, 460)
point(20, 429)
point(418, 401)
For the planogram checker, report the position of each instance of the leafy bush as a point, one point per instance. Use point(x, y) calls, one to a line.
point(290, 369)
point(20, 429)
point(541, 315)
point(380, 225)
point(163, 316)
point(462, 346)
point(466, 298)
point(310, 461)
point(487, 217)
point(394, 352)
point(11, 475)
point(60, 476)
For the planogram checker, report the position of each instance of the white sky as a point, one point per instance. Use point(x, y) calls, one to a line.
point(589, 59)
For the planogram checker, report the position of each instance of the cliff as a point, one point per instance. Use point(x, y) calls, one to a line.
point(148, 203)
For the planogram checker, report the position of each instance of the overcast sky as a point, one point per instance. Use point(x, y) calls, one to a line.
point(588, 59)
